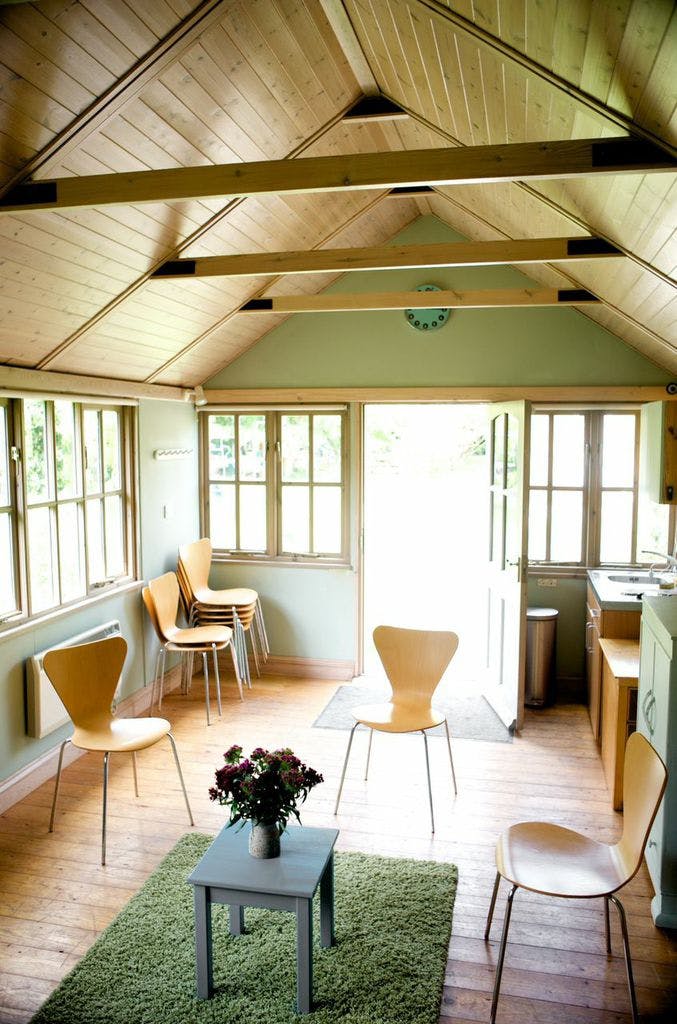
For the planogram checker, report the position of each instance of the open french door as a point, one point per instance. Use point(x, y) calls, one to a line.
point(508, 451)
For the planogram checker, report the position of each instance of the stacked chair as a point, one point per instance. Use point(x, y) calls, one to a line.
point(161, 597)
point(238, 608)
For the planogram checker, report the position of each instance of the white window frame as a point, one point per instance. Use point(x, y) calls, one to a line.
point(24, 611)
point(274, 552)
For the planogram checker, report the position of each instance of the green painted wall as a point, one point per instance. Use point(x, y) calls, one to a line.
point(314, 611)
point(161, 425)
point(503, 347)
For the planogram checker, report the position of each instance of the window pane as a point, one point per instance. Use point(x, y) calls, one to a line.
point(616, 527)
point(222, 516)
point(67, 482)
point(71, 551)
point(92, 452)
point(42, 573)
point(540, 432)
point(253, 517)
point(295, 519)
point(111, 450)
point(566, 526)
point(115, 550)
point(538, 507)
point(327, 520)
point(7, 592)
point(95, 552)
point(4, 458)
point(327, 449)
point(295, 448)
point(512, 441)
point(36, 454)
point(652, 528)
point(222, 451)
point(252, 447)
point(568, 451)
point(498, 433)
point(618, 452)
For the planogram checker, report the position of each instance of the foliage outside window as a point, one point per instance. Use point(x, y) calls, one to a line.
point(275, 484)
point(584, 503)
point(65, 528)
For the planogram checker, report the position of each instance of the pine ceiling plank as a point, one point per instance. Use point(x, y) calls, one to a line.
point(371, 37)
point(644, 31)
point(657, 104)
point(124, 23)
point(569, 40)
point(93, 35)
point(605, 34)
point(342, 45)
point(44, 75)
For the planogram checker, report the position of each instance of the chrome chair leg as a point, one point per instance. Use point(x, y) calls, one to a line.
point(366, 768)
point(236, 667)
point(56, 784)
point(136, 776)
point(430, 788)
point(345, 765)
point(205, 671)
point(451, 759)
point(178, 768)
point(218, 680)
point(501, 955)
point(628, 962)
point(162, 678)
point(607, 929)
point(254, 647)
point(106, 757)
point(490, 915)
point(258, 614)
point(156, 673)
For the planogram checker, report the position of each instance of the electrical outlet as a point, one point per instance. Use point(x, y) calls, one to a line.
point(546, 581)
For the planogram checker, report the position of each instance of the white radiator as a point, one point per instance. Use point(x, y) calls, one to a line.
point(44, 710)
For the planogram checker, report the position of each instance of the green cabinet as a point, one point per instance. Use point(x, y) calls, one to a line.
point(658, 452)
point(657, 721)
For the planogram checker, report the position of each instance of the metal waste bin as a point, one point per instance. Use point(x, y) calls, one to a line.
point(541, 632)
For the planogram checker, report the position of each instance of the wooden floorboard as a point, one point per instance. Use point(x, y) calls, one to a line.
point(55, 898)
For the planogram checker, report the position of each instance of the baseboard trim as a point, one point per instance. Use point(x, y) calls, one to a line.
point(32, 775)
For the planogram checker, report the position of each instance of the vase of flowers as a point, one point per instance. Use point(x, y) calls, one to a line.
point(265, 789)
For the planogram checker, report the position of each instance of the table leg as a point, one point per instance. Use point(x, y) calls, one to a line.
point(304, 955)
point(236, 919)
point(203, 942)
point(327, 905)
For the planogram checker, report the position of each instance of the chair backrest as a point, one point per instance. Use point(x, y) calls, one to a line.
point(152, 614)
point(414, 659)
point(85, 677)
point(644, 780)
point(196, 560)
point(164, 591)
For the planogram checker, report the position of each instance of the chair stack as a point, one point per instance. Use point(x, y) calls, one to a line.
point(238, 607)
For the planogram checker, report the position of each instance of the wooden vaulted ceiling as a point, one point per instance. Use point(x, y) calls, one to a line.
point(89, 87)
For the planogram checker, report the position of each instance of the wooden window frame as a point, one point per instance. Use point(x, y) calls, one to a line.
point(25, 611)
point(274, 553)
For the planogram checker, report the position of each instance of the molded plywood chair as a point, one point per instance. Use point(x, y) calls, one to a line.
point(85, 678)
point(161, 598)
point(236, 607)
point(415, 661)
point(556, 861)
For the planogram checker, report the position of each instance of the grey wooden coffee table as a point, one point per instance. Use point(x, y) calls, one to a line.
point(228, 874)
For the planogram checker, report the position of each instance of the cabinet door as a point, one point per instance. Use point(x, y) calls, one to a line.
point(593, 659)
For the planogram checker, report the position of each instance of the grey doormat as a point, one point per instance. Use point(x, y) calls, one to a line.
point(469, 715)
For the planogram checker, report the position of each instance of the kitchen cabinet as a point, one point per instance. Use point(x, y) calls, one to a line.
point(603, 622)
point(657, 721)
point(620, 670)
point(658, 452)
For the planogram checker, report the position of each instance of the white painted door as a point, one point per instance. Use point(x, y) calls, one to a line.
point(508, 456)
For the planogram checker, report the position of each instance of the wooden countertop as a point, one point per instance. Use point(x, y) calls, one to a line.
point(622, 657)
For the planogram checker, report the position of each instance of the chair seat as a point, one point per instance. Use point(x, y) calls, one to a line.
point(201, 636)
point(557, 861)
point(400, 717)
point(118, 734)
point(235, 596)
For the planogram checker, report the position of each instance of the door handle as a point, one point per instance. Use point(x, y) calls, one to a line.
point(588, 648)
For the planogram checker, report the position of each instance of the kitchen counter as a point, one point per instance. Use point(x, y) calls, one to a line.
point(625, 596)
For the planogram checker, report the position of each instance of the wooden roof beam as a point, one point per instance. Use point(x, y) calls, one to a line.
point(470, 165)
point(389, 257)
point(493, 298)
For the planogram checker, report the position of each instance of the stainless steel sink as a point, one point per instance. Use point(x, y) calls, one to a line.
point(641, 578)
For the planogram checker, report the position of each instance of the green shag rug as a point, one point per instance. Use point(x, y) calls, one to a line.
point(393, 923)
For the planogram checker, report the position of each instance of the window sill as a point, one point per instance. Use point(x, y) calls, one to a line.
point(25, 625)
point(286, 563)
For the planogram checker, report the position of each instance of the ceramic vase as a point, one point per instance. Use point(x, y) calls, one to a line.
point(264, 840)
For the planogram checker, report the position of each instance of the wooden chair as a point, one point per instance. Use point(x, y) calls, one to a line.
point(231, 606)
point(415, 661)
point(85, 678)
point(557, 861)
point(161, 598)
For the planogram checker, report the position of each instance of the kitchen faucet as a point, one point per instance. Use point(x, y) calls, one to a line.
point(670, 561)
